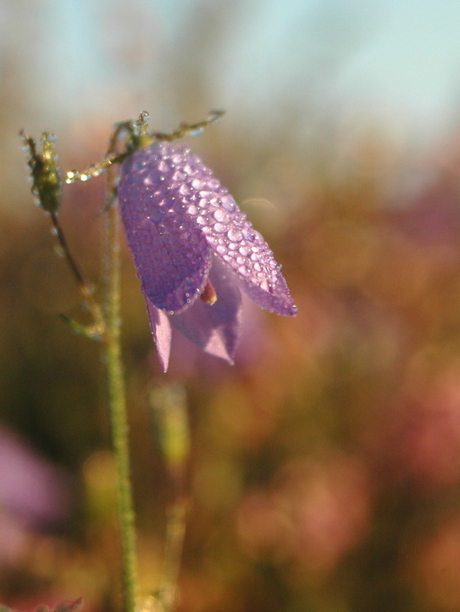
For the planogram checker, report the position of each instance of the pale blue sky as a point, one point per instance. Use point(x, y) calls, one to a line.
point(395, 57)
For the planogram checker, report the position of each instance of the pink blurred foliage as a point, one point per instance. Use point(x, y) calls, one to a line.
point(312, 514)
point(430, 444)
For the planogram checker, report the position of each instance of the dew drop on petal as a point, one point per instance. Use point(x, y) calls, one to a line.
point(163, 166)
point(213, 184)
point(192, 210)
point(228, 203)
point(220, 228)
point(188, 169)
point(234, 235)
point(249, 234)
point(184, 189)
point(179, 176)
point(221, 216)
point(201, 220)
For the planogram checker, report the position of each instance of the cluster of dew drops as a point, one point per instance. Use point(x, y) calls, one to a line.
point(186, 182)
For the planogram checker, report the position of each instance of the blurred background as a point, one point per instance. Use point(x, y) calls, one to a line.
point(324, 473)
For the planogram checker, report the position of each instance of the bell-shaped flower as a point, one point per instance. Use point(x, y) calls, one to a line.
point(194, 251)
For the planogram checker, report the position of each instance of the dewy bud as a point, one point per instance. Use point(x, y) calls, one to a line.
point(46, 181)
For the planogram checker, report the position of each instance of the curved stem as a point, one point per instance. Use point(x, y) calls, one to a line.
point(117, 402)
point(83, 286)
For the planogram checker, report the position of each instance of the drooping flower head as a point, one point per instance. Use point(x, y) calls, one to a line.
point(194, 251)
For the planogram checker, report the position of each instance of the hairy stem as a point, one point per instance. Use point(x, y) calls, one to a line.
point(117, 402)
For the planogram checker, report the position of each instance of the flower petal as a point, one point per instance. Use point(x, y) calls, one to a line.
point(161, 332)
point(214, 328)
point(214, 213)
point(170, 252)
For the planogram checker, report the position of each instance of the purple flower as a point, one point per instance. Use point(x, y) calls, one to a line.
point(189, 240)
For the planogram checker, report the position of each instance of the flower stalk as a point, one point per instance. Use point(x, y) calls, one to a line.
point(117, 400)
point(46, 186)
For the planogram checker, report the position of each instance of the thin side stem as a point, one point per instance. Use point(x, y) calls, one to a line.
point(83, 286)
point(175, 533)
point(117, 403)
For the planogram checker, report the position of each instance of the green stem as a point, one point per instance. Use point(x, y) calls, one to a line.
point(117, 404)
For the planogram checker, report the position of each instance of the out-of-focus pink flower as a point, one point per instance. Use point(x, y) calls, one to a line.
point(314, 512)
point(34, 494)
point(430, 444)
point(31, 488)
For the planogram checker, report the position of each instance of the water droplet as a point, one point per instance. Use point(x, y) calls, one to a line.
point(163, 166)
point(249, 234)
point(243, 270)
point(221, 216)
point(213, 184)
point(197, 131)
point(179, 176)
point(196, 183)
point(264, 285)
point(221, 249)
point(234, 235)
point(220, 228)
point(189, 170)
point(192, 210)
point(201, 220)
point(184, 189)
point(244, 251)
